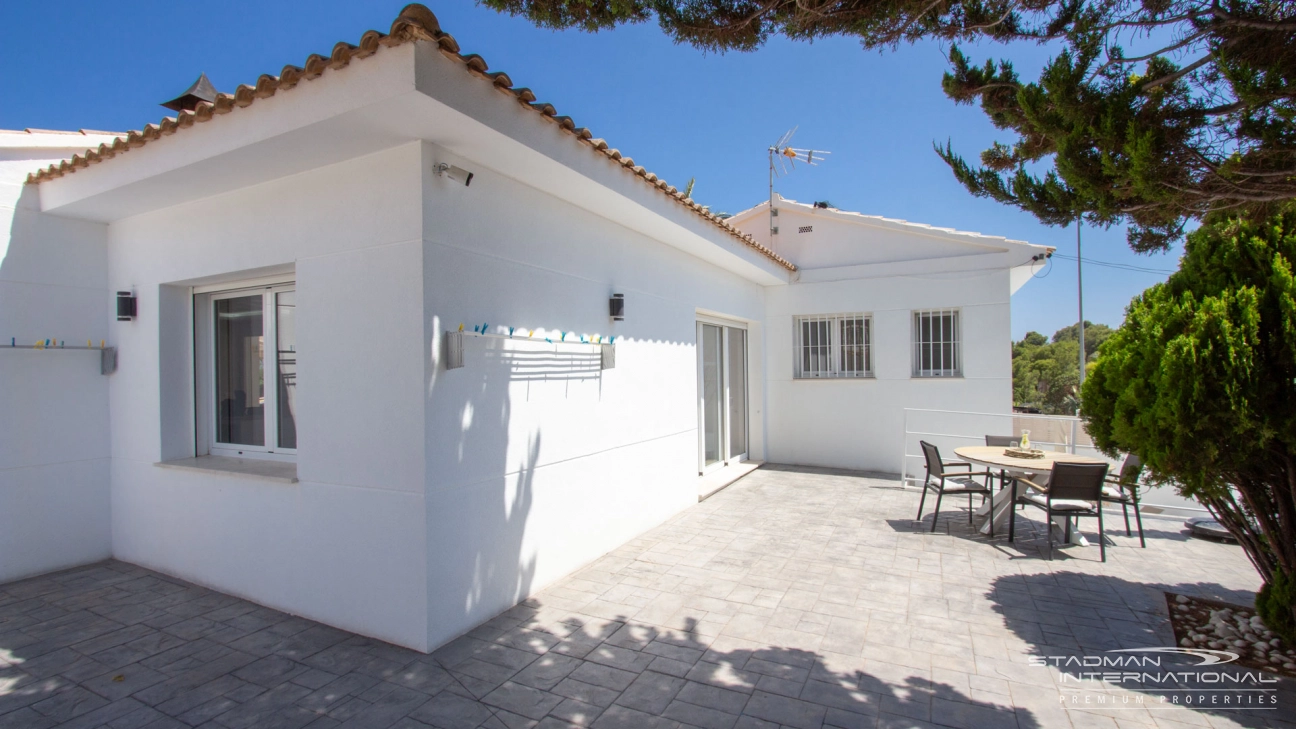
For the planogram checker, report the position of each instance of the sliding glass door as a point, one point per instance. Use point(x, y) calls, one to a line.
point(722, 395)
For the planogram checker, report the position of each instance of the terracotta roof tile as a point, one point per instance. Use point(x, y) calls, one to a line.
point(415, 23)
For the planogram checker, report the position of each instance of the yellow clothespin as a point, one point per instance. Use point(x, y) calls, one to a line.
point(101, 344)
point(88, 344)
point(461, 327)
point(40, 344)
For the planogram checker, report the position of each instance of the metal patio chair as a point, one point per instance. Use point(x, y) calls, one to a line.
point(1003, 441)
point(1074, 490)
point(1123, 489)
point(943, 480)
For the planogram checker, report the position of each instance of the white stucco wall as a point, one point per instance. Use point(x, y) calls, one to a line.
point(54, 498)
point(859, 423)
point(345, 545)
point(886, 269)
point(537, 461)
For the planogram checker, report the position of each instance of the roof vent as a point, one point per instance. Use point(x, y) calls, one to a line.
point(823, 204)
point(202, 90)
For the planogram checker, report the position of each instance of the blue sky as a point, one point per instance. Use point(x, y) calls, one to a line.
point(678, 112)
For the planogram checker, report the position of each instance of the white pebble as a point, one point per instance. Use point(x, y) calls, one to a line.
point(1181, 599)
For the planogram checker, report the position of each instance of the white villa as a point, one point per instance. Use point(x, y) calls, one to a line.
point(294, 416)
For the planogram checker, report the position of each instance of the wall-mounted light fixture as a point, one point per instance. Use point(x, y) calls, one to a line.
point(616, 307)
point(458, 174)
point(125, 305)
point(454, 350)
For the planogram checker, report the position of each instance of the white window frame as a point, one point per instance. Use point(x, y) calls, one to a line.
point(206, 408)
point(836, 361)
point(935, 343)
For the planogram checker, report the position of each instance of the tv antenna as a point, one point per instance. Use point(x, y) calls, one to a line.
point(782, 161)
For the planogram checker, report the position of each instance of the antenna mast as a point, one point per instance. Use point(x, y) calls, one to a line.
point(786, 158)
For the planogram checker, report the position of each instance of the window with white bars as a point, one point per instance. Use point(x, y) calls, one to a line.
point(836, 345)
point(936, 344)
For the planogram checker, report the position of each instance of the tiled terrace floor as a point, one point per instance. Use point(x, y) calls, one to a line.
point(794, 598)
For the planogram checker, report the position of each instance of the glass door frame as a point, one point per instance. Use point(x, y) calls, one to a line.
point(727, 457)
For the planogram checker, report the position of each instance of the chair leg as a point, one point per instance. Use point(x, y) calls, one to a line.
point(1125, 509)
point(1048, 521)
point(1138, 519)
point(1066, 536)
point(1012, 513)
point(969, 507)
point(936, 514)
point(1102, 540)
point(991, 495)
point(921, 501)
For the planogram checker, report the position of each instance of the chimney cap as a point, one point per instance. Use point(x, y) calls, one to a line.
point(201, 90)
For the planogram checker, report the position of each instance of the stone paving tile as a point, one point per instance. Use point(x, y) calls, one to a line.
point(796, 598)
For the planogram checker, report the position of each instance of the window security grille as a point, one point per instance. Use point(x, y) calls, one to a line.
point(838, 345)
point(806, 229)
point(936, 344)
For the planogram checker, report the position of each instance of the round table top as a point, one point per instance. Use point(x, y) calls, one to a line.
point(994, 456)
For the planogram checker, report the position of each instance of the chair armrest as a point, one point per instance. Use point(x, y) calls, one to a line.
point(1032, 484)
point(955, 464)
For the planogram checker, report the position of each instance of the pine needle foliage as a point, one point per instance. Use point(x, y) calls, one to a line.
point(1198, 121)
point(1200, 382)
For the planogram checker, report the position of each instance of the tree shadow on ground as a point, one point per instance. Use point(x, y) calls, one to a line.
point(577, 670)
point(540, 664)
point(1089, 628)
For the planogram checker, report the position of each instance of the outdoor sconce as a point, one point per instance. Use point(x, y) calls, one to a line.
point(125, 306)
point(453, 350)
point(616, 307)
point(458, 174)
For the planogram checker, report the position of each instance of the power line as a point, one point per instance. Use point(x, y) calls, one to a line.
point(1121, 266)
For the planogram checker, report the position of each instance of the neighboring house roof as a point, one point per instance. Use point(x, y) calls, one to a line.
point(52, 138)
point(894, 223)
point(414, 23)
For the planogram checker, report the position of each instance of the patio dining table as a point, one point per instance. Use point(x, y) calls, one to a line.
point(1035, 469)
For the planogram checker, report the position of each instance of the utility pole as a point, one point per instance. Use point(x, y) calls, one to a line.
point(1080, 296)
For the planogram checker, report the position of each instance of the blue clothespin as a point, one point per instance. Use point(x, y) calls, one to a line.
point(483, 328)
point(13, 341)
point(612, 340)
point(510, 332)
point(582, 338)
point(47, 342)
point(547, 339)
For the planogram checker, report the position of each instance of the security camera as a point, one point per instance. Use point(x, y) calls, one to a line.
point(458, 174)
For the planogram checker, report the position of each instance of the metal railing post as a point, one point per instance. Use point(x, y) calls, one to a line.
point(1073, 436)
point(904, 453)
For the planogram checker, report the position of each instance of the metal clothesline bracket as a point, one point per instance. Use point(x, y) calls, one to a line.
point(107, 355)
point(454, 347)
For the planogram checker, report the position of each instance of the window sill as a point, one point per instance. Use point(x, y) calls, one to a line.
point(834, 379)
point(251, 468)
